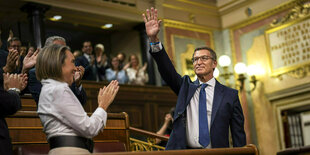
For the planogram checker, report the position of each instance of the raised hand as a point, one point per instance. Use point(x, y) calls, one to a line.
point(168, 118)
point(126, 66)
point(107, 94)
point(30, 60)
point(152, 24)
point(144, 67)
point(11, 60)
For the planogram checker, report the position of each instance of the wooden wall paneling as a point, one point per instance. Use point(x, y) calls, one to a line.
point(25, 128)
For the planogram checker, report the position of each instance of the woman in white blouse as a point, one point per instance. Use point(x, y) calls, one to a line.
point(137, 75)
point(68, 128)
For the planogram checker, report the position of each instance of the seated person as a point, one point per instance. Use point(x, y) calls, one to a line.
point(166, 128)
point(10, 87)
point(68, 128)
point(35, 86)
point(137, 75)
point(116, 72)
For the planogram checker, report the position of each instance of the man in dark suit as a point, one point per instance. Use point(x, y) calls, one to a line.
point(11, 62)
point(205, 109)
point(87, 60)
point(10, 87)
point(35, 86)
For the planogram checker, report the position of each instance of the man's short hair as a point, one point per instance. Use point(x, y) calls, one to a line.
point(50, 40)
point(87, 41)
point(213, 54)
point(11, 40)
point(50, 61)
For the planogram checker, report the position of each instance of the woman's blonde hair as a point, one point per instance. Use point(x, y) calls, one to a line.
point(50, 61)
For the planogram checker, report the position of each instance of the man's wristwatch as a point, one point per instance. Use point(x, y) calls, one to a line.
point(15, 89)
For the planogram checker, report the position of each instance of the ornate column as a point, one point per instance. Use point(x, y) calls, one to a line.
point(36, 13)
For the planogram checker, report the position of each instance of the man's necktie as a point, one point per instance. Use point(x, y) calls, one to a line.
point(204, 137)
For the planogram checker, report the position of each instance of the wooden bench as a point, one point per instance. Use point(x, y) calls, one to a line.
point(26, 132)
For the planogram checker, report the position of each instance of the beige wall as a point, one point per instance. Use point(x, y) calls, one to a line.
point(238, 15)
point(126, 42)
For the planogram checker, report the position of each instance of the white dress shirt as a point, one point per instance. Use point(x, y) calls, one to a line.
point(192, 126)
point(62, 114)
point(87, 57)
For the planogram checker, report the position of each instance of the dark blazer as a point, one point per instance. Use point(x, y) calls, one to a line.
point(10, 103)
point(226, 110)
point(90, 73)
point(3, 56)
point(35, 86)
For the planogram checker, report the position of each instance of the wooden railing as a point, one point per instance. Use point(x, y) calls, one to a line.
point(246, 150)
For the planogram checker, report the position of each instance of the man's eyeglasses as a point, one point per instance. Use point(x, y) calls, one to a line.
point(203, 58)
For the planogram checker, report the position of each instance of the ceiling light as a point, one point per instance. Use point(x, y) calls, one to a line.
point(56, 18)
point(107, 26)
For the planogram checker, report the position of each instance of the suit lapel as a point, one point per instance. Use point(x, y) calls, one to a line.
point(191, 90)
point(217, 99)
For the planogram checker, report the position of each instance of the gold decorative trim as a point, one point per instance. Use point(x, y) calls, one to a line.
point(235, 7)
point(138, 145)
point(229, 3)
point(190, 10)
point(254, 19)
point(187, 26)
point(264, 15)
point(297, 14)
point(199, 4)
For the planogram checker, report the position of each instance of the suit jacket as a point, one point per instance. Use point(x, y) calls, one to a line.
point(226, 110)
point(90, 72)
point(35, 86)
point(10, 103)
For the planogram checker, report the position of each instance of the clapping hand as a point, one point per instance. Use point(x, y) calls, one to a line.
point(168, 118)
point(144, 67)
point(152, 24)
point(14, 81)
point(107, 94)
point(30, 60)
point(11, 61)
point(126, 66)
point(78, 75)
